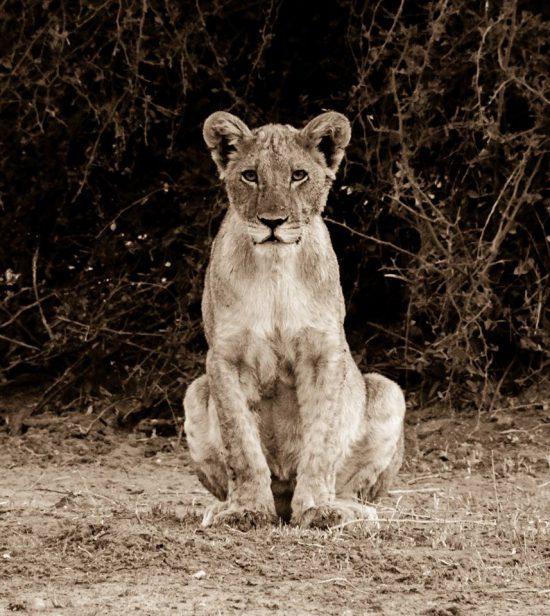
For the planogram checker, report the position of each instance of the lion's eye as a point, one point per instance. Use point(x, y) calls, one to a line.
point(299, 175)
point(249, 175)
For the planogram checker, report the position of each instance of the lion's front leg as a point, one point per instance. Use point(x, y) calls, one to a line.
point(318, 389)
point(249, 497)
point(321, 384)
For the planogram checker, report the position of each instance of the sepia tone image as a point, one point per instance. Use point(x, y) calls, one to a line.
point(274, 307)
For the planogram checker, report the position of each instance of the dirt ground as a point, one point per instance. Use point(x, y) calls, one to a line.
point(98, 521)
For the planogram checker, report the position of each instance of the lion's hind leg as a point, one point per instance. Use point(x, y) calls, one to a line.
point(376, 457)
point(204, 439)
point(205, 445)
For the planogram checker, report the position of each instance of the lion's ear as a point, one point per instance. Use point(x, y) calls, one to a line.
point(222, 132)
point(329, 133)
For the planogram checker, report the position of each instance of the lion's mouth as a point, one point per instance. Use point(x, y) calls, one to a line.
point(276, 237)
point(273, 239)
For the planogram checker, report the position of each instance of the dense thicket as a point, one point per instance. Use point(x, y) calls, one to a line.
point(110, 201)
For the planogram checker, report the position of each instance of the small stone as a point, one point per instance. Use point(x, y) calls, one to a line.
point(199, 575)
point(38, 604)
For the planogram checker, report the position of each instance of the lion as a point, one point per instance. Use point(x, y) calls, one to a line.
point(283, 425)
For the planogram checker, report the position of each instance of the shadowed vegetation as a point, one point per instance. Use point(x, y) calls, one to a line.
point(109, 200)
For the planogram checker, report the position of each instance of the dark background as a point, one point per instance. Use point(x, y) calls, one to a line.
point(109, 200)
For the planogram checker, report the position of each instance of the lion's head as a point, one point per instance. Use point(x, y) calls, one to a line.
point(277, 177)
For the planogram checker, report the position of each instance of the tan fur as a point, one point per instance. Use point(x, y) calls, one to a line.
point(283, 422)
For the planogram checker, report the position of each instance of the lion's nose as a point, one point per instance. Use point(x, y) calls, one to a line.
point(272, 223)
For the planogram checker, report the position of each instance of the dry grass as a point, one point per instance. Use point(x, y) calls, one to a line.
point(460, 540)
point(466, 531)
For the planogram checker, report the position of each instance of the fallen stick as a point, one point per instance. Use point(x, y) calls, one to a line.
point(415, 491)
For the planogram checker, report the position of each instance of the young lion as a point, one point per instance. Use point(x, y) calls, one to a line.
point(283, 423)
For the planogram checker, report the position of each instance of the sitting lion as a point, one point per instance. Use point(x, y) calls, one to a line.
point(283, 423)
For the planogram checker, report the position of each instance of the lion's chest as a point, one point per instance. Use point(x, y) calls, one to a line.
point(263, 332)
point(276, 302)
point(268, 312)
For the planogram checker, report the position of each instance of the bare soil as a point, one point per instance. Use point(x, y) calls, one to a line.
point(97, 521)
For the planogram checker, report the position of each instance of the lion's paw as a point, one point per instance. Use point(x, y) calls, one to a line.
point(336, 514)
point(221, 514)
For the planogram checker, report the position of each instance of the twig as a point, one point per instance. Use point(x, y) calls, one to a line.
point(540, 591)
point(106, 408)
point(495, 484)
point(35, 289)
point(19, 343)
point(417, 491)
point(15, 316)
point(394, 521)
point(345, 581)
point(64, 492)
point(372, 238)
point(424, 477)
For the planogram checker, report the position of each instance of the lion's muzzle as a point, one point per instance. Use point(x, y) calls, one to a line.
point(275, 230)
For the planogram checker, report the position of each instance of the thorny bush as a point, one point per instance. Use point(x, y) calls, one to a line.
point(110, 202)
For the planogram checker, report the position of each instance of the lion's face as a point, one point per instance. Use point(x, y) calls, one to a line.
point(277, 177)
